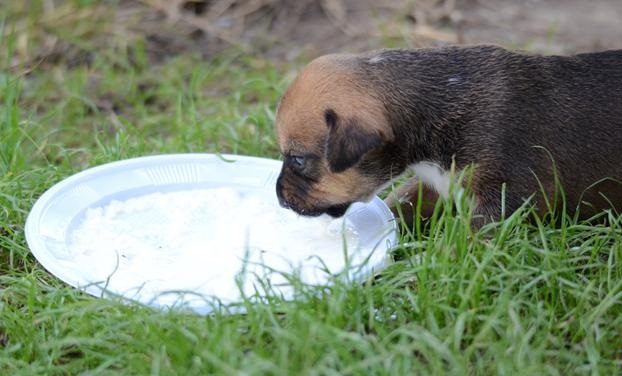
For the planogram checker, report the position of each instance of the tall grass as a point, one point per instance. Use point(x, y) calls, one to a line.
point(517, 297)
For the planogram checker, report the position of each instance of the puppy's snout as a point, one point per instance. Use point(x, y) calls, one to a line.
point(279, 194)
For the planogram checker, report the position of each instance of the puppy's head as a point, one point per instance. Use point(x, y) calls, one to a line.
point(330, 130)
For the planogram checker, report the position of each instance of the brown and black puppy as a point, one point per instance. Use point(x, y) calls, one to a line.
point(350, 124)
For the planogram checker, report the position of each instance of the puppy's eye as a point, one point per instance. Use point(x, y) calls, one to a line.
point(298, 161)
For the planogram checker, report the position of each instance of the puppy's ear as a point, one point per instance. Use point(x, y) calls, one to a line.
point(347, 142)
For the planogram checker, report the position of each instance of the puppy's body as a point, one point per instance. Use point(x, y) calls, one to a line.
point(520, 120)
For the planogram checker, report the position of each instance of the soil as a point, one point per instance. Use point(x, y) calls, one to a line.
point(547, 26)
point(285, 29)
point(553, 26)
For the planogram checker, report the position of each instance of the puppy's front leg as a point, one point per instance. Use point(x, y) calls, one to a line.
point(403, 201)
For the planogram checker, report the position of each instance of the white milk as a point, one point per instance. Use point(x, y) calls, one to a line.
point(197, 241)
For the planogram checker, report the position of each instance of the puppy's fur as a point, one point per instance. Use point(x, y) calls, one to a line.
point(350, 124)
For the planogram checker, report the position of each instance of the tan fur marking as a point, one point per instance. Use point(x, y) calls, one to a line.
point(344, 187)
point(326, 83)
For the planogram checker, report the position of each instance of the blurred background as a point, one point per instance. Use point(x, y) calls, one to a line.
point(93, 81)
point(72, 31)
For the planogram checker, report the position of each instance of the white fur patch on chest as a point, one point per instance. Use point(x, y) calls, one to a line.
point(433, 176)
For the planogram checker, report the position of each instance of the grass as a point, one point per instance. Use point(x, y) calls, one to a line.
point(515, 298)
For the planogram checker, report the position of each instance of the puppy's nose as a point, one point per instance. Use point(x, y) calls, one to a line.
point(279, 194)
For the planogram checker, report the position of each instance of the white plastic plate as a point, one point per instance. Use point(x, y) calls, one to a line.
point(61, 209)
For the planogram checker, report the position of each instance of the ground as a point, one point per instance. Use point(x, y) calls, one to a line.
point(86, 82)
point(547, 26)
point(278, 29)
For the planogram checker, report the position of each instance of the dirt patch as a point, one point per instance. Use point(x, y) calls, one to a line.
point(285, 29)
point(552, 26)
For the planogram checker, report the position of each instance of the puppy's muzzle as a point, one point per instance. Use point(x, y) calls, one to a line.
point(279, 194)
point(332, 210)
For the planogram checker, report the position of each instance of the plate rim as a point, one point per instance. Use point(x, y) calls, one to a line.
point(43, 256)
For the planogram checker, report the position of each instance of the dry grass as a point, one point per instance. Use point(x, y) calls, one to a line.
point(52, 31)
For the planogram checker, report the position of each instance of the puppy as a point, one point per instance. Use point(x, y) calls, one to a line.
point(350, 124)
